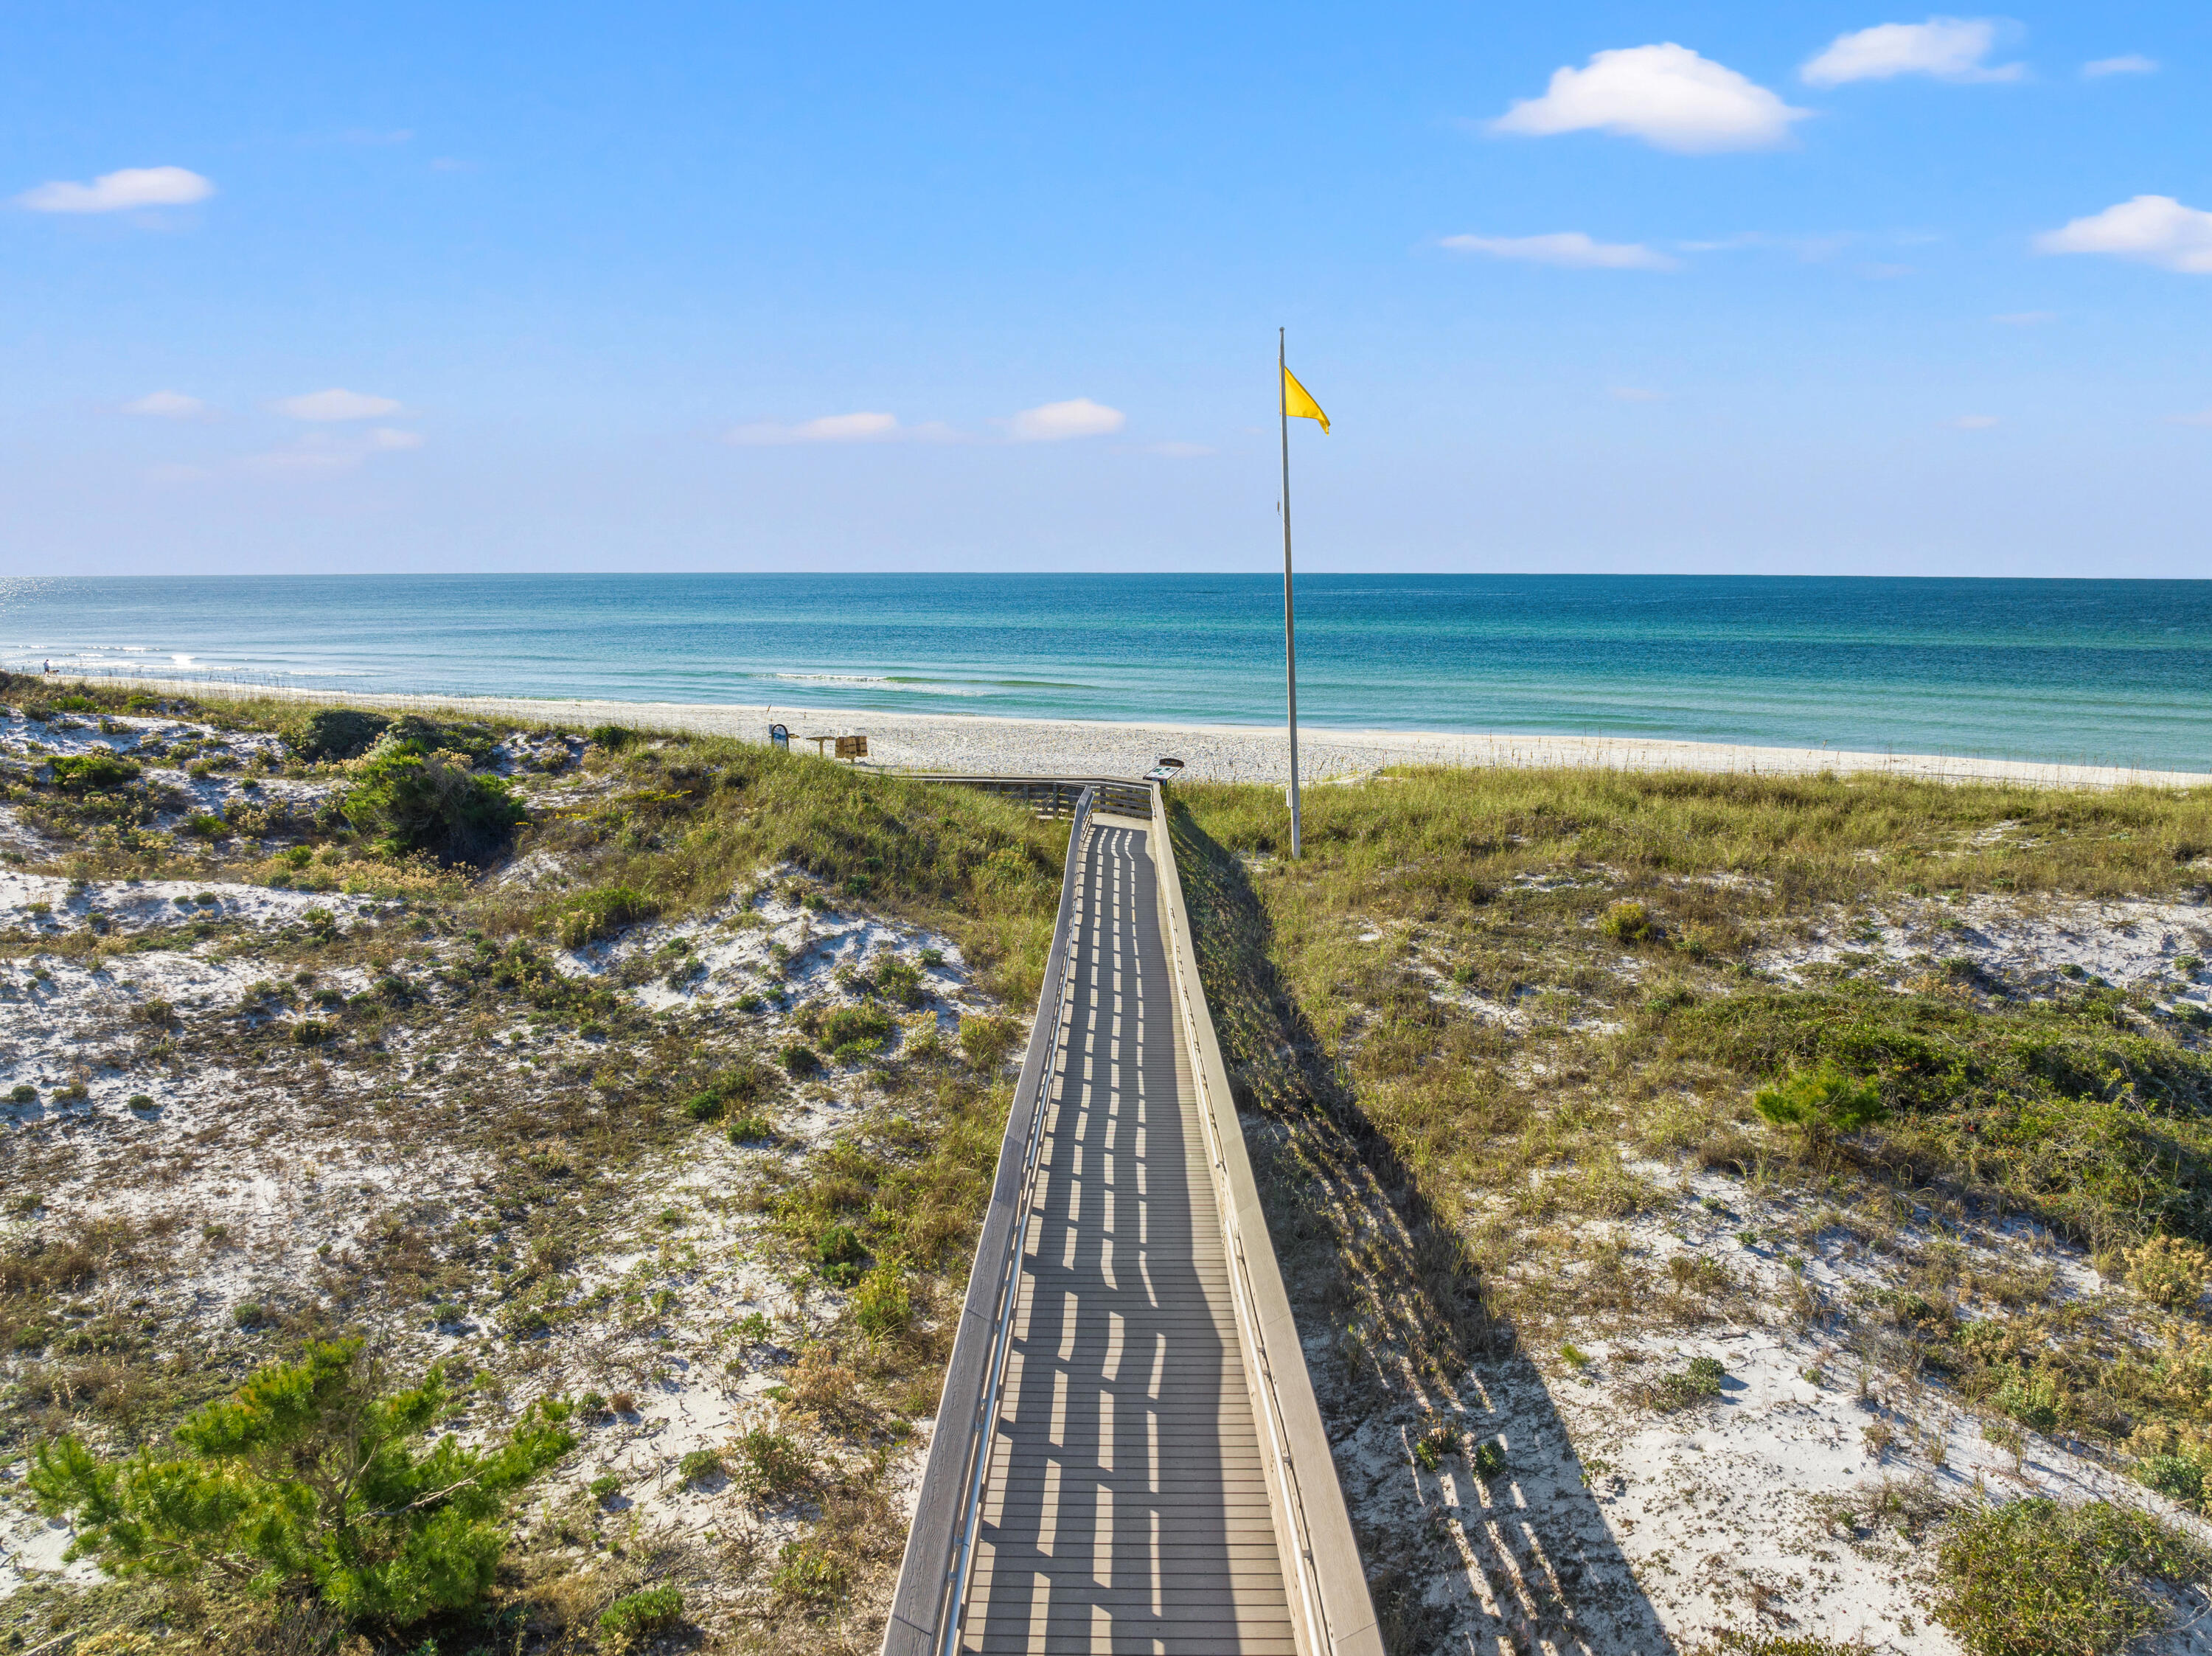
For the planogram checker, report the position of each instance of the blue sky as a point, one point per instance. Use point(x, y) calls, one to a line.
point(1824, 288)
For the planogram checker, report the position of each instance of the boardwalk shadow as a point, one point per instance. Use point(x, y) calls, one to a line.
point(1397, 1332)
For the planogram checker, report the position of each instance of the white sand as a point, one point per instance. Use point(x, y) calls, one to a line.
point(1236, 753)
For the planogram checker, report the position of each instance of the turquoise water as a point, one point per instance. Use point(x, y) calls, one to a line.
point(2117, 672)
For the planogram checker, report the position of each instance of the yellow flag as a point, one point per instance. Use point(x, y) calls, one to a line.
point(1298, 404)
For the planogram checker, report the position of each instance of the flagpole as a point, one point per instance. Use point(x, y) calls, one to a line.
point(1290, 634)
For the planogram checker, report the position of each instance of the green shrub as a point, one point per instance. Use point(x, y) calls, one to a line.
point(1821, 1103)
point(752, 1130)
point(310, 1032)
point(309, 1480)
point(641, 1614)
point(985, 1041)
point(613, 738)
point(93, 773)
point(864, 1027)
point(839, 1253)
point(703, 1106)
point(2032, 1578)
point(700, 1463)
point(809, 1577)
point(883, 1306)
point(1698, 1383)
point(340, 733)
point(1628, 922)
point(800, 1061)
point(605, 1485)
point(1489, 1461)
point(771, 1464)
point(202, 825)
point(899, 980)
point(412, 802)
point(22, 1093)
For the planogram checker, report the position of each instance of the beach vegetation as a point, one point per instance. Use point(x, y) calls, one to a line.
point(311, 1479)
point(334, 734)
point(412, 802)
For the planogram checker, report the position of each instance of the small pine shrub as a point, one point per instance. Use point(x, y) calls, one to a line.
point(1821, 1103)
point(800, 1061)
point(605, 1484)
point(589, 916)
point(312, 1480)
point(412, 802)
point(700, 1463)
point(612, 739)
point(752, 1130)
point(839, 1253)
point(93, 773)
point(639, 1615)
point(1489, 1461)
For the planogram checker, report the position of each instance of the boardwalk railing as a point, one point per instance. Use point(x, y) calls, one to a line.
point(925, 1619)
point(1331, 1612)
point(1055, 795)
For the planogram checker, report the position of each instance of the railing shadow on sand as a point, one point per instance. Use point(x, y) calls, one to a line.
point(1396, 1328)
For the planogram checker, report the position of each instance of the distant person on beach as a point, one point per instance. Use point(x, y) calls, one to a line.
point(50, 664)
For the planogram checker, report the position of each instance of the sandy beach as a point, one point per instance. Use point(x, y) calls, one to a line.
point(1216, 753)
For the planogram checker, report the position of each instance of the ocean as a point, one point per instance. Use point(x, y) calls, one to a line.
point(2065, 671)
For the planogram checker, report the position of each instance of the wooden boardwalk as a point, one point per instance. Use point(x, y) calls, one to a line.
point(1126, 1507)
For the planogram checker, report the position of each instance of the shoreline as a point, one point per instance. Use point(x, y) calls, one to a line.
point(995, 744)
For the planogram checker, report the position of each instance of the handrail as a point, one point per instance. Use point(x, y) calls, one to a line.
point(925, 1617)
point(1320, 1554)
point(1054, 796)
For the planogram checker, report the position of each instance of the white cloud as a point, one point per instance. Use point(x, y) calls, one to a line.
point(2132, 63)
point(1948, 48)
point(830, 428)
point(336, 404)
point(2155, 229)
point(2204, 418)
point(322, 452)
point(1635, 394)
point(1570, 248)
point(1055, 422)
point(1666, 95)
point(134, 186)
point(167, 405)
point(1975, 421)
point(2026, 318)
